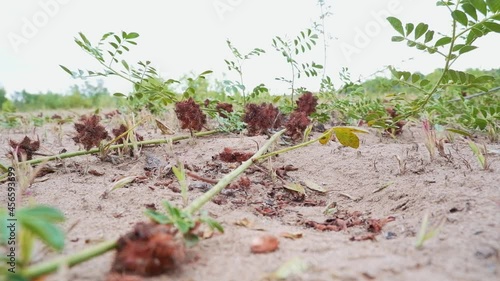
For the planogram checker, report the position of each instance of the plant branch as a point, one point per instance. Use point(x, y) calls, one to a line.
point(97, 150)
point(200, 201)
point(44, 268)
point(477, 95)
point(287, 149)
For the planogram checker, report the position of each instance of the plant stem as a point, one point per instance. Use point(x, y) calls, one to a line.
point(201, 200)
point(287, 149)
point(79, 257)
point(96, 150)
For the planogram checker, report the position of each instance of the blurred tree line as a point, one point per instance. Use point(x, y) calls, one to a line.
point(97, 96)
point(79, 96)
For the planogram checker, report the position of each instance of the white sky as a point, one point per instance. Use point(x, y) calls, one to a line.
point(180, 36)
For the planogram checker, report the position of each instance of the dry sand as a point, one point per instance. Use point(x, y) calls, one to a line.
point(455, 190)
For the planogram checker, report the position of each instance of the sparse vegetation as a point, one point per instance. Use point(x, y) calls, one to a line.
point(459, 102)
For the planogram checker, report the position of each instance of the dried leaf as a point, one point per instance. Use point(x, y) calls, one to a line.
point(244, 222)
point(295, 187)
point(264, 244)
point(164, 128)
point(293, 236)
point(123, 182)
point(96, 173)
point(382, 187)
point(314, 186)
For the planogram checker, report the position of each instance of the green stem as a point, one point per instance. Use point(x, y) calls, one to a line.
point(286, 149)
point(84, 255)
point(207, 196)
point(96, 150)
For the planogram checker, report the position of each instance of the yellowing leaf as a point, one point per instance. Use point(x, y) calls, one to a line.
point(346, 137)
point(352, 129)
point(314, 186)
point(345, 131)
point(294, 266)
point(326, 137)
point(295, 187)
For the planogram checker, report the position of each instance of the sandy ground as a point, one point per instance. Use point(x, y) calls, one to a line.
point(455, 191)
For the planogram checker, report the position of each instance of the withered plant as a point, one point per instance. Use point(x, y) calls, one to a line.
point(222, 108)
point(190, 115)
point(25, 147)
point(297, 123)
point(261, 118)
point(307, 103)
point(120, 131)
point(90, 132)
point(299, 120)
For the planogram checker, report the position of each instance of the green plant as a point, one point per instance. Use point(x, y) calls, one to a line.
point(32, 223)
point(326, 85)
point(427, 232)
point(237, 65)
point(180, 174)
point(232, 123)
point(149, 89)
point(481, 154)
point(471, 19)
point(183, 221)
point(289, 49)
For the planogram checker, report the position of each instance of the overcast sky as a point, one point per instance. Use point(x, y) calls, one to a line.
point(183, 36)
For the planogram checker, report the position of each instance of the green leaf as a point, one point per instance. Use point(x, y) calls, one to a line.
point(409, 28)
point(424, 83)
point(460, 132)
point(125, 64)
point(396, 24)
point(397, 38)
point(479, 5)
point(494, 5)
point(495, 27)
point(66, 69)
point(470, 10)
point(157, 217)
point(457, 47)
point(428, 36)
point(420, 30)
point(481, 123)
point(132, 35)
point(466, 48)
point(41, 212)
point(213, 224)
point(47, 232)
point(460, 17)
point(85, 40)
point(442, 41)
point(415, 78)
point(484, 79)
point(206, 72)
